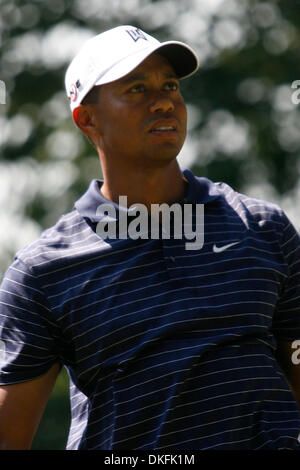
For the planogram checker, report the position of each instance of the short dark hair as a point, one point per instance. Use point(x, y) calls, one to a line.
point(92, 96)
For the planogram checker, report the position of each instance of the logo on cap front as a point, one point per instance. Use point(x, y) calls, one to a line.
point(73, 93)
point(136, 34)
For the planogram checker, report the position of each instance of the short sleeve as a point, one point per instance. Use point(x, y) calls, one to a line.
point(28, 347)
point(286, 322)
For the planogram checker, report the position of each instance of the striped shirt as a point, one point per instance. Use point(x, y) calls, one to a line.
point(166, 348)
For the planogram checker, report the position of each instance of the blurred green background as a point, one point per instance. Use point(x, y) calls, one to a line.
point(243, 114)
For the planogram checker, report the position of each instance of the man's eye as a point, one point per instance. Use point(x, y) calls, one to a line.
point(172, 86)
point(137, 88)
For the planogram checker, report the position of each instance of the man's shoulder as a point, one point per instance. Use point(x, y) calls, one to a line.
point(60, 240)
point(220, 198)
point(248, 204)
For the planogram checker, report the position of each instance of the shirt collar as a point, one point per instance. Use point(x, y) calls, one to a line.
point(200, 191)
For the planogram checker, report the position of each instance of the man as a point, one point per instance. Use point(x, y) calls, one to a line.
point(166, 347)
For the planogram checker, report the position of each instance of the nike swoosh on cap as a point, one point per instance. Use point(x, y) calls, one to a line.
point(219, 249)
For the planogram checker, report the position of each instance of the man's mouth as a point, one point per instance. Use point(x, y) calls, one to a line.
point(163, 128)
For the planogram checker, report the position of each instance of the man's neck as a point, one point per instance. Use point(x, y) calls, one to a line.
point(156, 186)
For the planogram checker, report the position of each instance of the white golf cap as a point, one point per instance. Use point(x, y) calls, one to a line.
point(113, 54)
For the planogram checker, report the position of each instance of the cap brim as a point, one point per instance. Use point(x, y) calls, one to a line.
point(181, 57)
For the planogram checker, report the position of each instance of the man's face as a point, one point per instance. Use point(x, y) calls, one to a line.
point(141, 118)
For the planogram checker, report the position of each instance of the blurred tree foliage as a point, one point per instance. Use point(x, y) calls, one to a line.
point(243, 127)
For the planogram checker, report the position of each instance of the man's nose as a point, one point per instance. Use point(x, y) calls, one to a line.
point(162, 104)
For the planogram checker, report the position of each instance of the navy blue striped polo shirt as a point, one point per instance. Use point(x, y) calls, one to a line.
point(166, 348)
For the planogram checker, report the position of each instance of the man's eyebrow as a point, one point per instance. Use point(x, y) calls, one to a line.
point(141, 77)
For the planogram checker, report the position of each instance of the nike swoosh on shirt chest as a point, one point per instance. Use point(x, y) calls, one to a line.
point(220, 249)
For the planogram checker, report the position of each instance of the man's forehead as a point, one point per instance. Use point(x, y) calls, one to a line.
point(136, 76)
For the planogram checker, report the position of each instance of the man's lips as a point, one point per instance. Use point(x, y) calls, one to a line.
point(163, 126)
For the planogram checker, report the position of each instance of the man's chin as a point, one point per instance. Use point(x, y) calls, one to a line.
point(165, 153)
point(163, 158)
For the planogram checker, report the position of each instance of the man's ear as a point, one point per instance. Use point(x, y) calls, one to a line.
point(84, 118)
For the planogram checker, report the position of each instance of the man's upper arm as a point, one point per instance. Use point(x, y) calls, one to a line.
point(28, 331)
point(288, 359)
point(286, 320)
point(21, 408)
point(29, 356)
